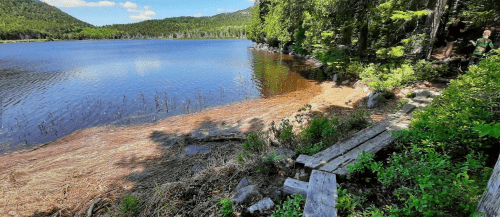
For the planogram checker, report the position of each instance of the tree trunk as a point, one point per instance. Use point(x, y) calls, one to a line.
point(490, 202)
point(433, 21)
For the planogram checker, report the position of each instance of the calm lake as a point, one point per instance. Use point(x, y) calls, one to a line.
point(49, 90)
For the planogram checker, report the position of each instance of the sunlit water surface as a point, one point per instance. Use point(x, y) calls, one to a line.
point(49, 90)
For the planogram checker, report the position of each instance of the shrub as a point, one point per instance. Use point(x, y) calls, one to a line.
point(292, 207)
point(253, 143)
point(284, 132)
point(130, 204)
point(321, 129)
point(411, 95)
point(426, 71)
point(381, 77)
point(227, 207)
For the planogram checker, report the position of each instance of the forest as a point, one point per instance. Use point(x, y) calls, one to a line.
point(441, 164)
point(33, 19)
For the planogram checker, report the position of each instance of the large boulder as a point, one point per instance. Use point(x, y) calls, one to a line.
point(246, 194)
point(243, 183)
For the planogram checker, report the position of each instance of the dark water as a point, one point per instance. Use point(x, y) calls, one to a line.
point(49, 90)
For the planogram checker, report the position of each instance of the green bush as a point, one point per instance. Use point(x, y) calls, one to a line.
point(253, 143)
point(321, 129)
point(130, 204)
point(284, 132)
point(439, 167)
point(292, 207)
point(426, 71)
point(381, 77)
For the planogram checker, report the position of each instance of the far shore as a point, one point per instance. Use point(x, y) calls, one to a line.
point(48, 40)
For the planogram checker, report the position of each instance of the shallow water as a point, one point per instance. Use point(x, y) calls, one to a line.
point(49, 90)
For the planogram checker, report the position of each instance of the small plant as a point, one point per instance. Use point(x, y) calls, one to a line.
point(411, 95)
point(227, 207)
point(130, 204)
point(263, 169)
point(241, 156)
point(312, 149)
point(388, 94)
point(292, 207)
point(321, 129)
point(401, 103)
point(253, 143)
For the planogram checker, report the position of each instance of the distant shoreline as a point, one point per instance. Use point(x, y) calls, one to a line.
point(47, 40)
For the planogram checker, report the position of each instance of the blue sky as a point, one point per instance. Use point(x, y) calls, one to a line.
point(107, 12)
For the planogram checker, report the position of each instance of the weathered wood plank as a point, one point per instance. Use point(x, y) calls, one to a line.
point(321, 195)
point(293, 186)
point(490, 202)
point(323, 157)
point(304, 159)
point(372, 146)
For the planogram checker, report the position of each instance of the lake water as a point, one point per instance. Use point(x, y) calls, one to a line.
point(49, 90)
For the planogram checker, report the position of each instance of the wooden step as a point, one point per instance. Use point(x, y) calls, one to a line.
point(321, 195)
point(293, 186)
point(323, 157)
point(372, 146)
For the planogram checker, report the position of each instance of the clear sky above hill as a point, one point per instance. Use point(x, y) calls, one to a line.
point(107, 12)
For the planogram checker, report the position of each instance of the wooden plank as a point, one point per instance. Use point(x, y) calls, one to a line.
point(304, 159)
point(372, 146)
point(338, 149)
point(321, 195)
point(293, 186)
point(490, 202)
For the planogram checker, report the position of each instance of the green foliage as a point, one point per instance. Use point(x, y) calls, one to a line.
point(130, 204)
point(227, 207)
point(292, 207)
point(284, 132)
point(426, 71)
point(439, 169)
point(241, 156)
point(411, 95)
point(253, 143)
point(311, 149)
point(321, 129)
point(401, 103)
point(381, 78)
point(492, 130)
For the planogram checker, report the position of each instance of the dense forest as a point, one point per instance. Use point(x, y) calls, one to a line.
point(33, 19)
point(441, 164)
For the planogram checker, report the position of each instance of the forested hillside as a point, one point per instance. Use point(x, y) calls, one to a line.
point(27, 19)
point(33, 19)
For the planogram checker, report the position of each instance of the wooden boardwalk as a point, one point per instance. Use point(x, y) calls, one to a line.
point(321, 190)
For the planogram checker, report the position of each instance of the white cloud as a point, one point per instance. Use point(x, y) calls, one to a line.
point(198, 15)
point(204, 9)
point(140, 14)
point(78, 3)
point(251, 0)
point(220, 9)
point(128, 5)
point(229, 10)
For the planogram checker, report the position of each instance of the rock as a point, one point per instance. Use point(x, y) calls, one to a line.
point(370, 93)
point(243, 183)
point(302, 175)
point(276, 193)
point(13, 213)
point(335, 77)
point(345, 82)
point(246, 194)
point(373, 101)
point(358, 84)
point(262, 205)
point(196, 168)
point(366, 89)
point(318, 65)
point(290, 48)
point(283, 153)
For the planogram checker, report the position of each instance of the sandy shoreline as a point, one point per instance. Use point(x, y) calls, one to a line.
point(95, 161)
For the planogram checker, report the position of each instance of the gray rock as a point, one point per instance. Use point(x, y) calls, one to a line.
point(373, 101)
point(243, 183)
point(345, 82)
point(196, 168)
point(276, 193)
point(335, 77)
point(283, 153)
point(290, 48)
point(262, 205)
point(302, 175)
point(366, 89)
point(318, 65)
point(246, 194)
point(358, 84)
